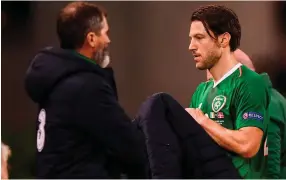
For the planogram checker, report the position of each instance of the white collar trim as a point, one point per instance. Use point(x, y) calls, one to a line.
point(227, 74)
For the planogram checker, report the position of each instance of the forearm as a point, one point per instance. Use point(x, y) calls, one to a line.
point(231, 140)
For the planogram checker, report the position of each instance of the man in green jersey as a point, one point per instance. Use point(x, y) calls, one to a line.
point(233, 106)
point(276, 140)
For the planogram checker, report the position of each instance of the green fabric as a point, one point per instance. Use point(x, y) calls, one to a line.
point(84, 57)
point(240, 100)
point(276, 161)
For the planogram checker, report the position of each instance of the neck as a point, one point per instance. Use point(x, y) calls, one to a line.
point(85, 53)
point(225, 64)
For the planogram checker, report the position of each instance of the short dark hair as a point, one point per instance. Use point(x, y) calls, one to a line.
point(219, 19)
point(77, 19)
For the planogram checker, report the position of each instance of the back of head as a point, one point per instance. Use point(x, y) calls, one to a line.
point(219, 19)
point(77, 19)
point(243, 59)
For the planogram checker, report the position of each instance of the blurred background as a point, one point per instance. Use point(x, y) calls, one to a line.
point(149, 50)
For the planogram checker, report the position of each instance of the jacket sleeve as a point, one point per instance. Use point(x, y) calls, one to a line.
point(101, 116)
point(274, 150)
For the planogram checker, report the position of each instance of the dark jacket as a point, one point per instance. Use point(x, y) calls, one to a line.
point(83, 128)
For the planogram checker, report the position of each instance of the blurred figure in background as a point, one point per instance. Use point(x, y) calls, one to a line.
point(5, 154)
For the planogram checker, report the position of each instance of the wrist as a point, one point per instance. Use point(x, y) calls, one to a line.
point(204, 121)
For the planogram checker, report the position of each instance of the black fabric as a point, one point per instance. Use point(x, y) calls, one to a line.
point(87, 133)
point(177, 146)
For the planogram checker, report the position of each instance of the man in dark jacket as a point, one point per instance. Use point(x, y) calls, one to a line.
point(82, 130)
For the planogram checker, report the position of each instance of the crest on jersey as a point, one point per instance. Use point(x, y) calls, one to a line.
point(218, 103)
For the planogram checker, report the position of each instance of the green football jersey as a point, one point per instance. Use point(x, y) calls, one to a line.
point(276, 162)
point(240, 99)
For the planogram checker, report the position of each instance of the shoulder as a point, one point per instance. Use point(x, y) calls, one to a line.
point(249, 80)
point(277, 107)
point(252, 88)
point(278, 98)
point(248, 75)
point(84, 82)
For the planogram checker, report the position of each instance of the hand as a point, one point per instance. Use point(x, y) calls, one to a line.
point(197, 114)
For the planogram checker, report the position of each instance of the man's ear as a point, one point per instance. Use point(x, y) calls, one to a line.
point(224, 40)
point(91, 39)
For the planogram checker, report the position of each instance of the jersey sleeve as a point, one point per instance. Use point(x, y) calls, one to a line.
point(251, 104)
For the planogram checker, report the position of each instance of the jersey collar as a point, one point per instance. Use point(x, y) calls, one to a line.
point(227, 74)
